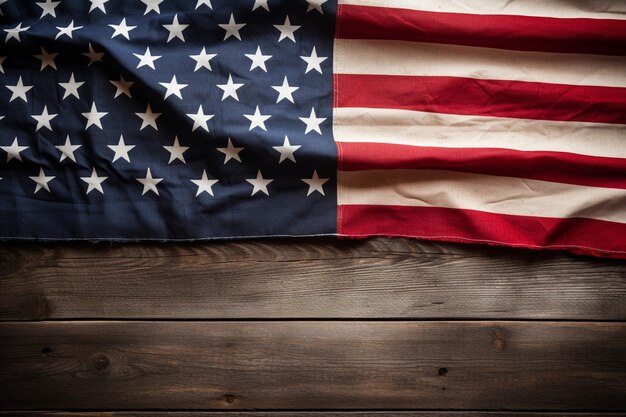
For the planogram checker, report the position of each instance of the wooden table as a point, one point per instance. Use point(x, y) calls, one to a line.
point(309, 327)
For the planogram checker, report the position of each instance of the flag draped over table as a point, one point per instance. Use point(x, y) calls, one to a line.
point(489, 121)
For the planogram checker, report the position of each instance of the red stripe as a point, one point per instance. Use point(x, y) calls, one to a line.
point(468, 96)
point(523, 33)
point(540, 165)
point(594, 237)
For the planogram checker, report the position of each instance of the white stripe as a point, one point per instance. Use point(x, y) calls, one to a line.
point(493, 194)
point(356, 56)
point(405, 127)
point(594, 9)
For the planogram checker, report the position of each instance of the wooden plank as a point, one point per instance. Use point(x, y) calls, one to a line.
point(292, 365)
point(300, 414)
point(305, 278)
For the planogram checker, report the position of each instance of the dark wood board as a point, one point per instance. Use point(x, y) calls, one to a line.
point(291, 365)
point(305, 278)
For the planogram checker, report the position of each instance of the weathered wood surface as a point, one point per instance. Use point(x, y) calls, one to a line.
point(480, 364)
point(305, 278)
point(292, 365)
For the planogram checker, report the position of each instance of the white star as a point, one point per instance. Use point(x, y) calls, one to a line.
point(42, 181)
point(312, 122)
point(15, 32)
point(257, 119)
point(285, 91)
point(147, 59)
point(122, 87)
point(43, 120)
point(13, 151)
point(19, 90)
point(232, 28)
point(313, 62)
point(204, 184)
point(93, 117)
point(287, 150)
point(94, 182)
point(121, 150)
point(67, 30)
point(200, 119)
point(98, 4)
point(175, 29)
point(48, 8)
point(204, 3)
point(71, 87)
point(174, 88)
point(260, 3)
point(202, 60)
point(47, 59)
point(176, 151)
point(67, 149)
point(230, 88)
point(122, 29)
point(152, 5)
point(287, 30)
point(149, 183)
point(260, 184)
point(2, 58)
point(315, 5)
point(148, 118)
point(93, 55)
point(231, 152)
point(258, 59)
point(315, 184)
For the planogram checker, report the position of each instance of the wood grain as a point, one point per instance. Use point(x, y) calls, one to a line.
point(305, 278)
point(310, 365)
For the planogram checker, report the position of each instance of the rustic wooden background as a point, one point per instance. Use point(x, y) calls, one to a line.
point(309, 327)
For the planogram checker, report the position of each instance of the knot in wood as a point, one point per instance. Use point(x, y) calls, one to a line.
point(101, 363)
point(499, 344)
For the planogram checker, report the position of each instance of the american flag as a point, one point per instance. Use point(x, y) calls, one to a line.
point(487, 121)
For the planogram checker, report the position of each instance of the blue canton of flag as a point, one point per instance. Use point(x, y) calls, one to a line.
point(166, 119)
